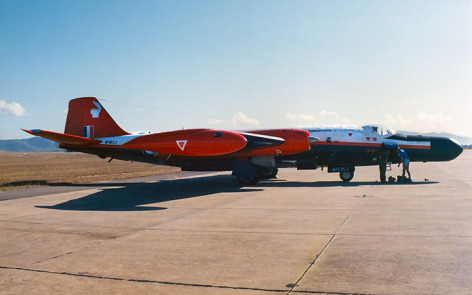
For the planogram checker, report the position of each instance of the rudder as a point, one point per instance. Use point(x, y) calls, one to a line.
point(88, 118)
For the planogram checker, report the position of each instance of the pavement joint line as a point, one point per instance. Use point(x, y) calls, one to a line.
point(97, 243)
point(56, 256)
point(331, 239)
point(309, 266)
point(333, 293)
point(240, 232)
point(72, 232)
point(140, 280)
point(284, 209)
point(352, 210)
point(304, 233)
point(66, 224)
point(405, 236)
point(24, 222)
point(364, 210)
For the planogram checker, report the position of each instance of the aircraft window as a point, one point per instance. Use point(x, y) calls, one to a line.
point(218, 134)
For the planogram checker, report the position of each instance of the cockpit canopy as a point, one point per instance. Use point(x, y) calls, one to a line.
point(379, 129)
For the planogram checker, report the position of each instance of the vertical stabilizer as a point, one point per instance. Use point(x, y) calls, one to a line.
point(88, 118)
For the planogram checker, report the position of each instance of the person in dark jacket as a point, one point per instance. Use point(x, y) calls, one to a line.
point(382, 159)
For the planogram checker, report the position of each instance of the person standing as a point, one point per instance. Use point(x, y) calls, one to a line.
point(382, 159)
point(406, 162)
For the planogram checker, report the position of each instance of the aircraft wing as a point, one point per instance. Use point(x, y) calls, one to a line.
point(275, 142)
point(63, 138)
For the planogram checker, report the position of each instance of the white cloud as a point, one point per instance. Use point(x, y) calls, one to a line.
point(300, 117)
point(240, 117)
point(325, 117)
point(345, 121)
point(324, 113)
point(12, 108)
point(438, 122)
point(398, 121)
point(218, 123)
point(421, 122)
point(334, 117)
point(433, 118)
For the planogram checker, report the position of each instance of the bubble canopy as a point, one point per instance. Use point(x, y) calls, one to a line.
point(379, 129)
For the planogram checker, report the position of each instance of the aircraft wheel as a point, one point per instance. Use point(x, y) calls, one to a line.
point(245, 180)
point(346, 176)
point(268, 173)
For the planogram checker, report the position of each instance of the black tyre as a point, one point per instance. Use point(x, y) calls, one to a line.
point(246, 180)
point(346, 176)
point(268, 173)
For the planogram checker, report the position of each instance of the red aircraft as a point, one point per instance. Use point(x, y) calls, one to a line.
point(250, 155)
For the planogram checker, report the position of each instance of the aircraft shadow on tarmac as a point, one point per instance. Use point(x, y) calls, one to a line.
point(135, 196)
point(129, 196)
point(282, 183)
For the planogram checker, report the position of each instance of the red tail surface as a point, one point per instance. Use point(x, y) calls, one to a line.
point(88, 118)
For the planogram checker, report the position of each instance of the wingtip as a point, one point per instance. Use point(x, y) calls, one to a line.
point(32, 132)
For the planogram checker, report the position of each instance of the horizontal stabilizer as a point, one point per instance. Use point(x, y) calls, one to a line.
point(259, 140)
point(63, 138)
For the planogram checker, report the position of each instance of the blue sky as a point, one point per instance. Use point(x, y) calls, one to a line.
point(164, 65)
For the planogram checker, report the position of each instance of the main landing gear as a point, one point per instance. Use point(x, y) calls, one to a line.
point(261, 173)
point(248, 174)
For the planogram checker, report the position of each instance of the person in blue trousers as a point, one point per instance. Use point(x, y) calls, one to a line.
point(405, 161)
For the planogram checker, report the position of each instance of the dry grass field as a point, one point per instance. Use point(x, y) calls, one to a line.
point(21, 170)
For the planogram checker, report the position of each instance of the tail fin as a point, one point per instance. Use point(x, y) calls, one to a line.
point(88, 118)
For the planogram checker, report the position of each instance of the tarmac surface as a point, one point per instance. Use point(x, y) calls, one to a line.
point(304, 233)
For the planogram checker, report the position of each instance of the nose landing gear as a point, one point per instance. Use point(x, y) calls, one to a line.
point(346, 176)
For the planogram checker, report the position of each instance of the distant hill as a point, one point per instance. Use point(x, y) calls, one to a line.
point(461, 139)
point(35, 144)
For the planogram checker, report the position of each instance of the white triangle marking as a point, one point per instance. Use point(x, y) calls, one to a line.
point(181, 144)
